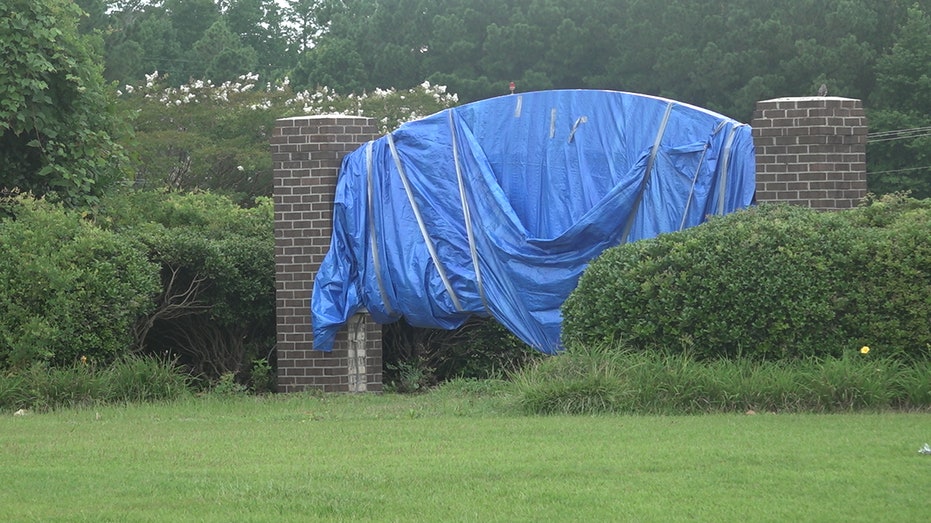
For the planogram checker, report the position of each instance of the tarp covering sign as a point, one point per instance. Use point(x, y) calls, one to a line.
point(496, 207)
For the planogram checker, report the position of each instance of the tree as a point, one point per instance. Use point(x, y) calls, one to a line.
point(191, 19)
point(223, 54)
point(260, 25)
point(141, 40)
point(900, 150)
point(57, 129)
point(206, 136)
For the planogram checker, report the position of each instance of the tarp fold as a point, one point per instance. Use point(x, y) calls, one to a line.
point(496, 207)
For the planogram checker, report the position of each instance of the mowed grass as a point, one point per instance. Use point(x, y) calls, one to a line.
point(454, 455)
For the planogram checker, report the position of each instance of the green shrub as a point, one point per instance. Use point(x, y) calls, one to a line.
point(69, 289)
point(216, 308)
point(262, 377)
point(769, 282)
point(226, 385)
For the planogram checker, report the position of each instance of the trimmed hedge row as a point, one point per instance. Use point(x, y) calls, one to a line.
point(769, 282)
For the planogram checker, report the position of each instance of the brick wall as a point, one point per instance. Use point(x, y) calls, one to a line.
point(306, 155)
point(810, 151)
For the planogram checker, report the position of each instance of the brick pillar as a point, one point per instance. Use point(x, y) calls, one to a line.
point(306, 155)
point(810, 151)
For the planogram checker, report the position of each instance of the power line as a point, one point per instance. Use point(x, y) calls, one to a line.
point(898, 134)
point(890, 171)
point(898, 131)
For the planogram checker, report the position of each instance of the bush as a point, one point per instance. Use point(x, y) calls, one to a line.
point(69, 288)
point(770, 282)
point(216, 308)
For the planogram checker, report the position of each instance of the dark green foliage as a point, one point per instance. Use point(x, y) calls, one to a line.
point(262, 376)
point(216, 308)
point(185, 275)
point(901, 161)
point(725, 56)
point(770, 282)
point(69, 288)
point(721, 55)
point(200, 39)
point(56, 125)
point(418, 358)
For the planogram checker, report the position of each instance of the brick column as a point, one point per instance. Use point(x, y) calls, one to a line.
point(810, 151)
point(306, 155)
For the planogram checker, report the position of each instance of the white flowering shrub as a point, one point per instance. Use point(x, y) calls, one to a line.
point(206, 136)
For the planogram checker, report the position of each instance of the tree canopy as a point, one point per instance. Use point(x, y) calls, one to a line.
point(721, 55)
point(56, 125)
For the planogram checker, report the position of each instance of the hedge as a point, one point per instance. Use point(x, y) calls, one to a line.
point(768, 282)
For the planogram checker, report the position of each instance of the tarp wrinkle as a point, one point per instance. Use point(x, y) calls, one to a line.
point(496, 207)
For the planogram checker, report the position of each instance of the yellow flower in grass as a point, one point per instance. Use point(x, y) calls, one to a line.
point(864, 350)
point(83, 360)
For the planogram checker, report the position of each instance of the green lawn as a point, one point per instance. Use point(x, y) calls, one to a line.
point(455, 457)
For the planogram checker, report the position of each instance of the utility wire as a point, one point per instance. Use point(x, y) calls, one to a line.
point(890, 171)
point(899, 134)
point(898, 131)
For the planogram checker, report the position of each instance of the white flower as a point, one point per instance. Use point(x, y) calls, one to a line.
point(150, 79)
point(240, 168)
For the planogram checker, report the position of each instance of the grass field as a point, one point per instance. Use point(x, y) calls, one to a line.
point(454, 456)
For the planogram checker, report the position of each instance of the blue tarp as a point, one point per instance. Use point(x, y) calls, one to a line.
point(496, 207)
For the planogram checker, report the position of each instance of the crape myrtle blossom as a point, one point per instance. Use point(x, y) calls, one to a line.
point(389, 107)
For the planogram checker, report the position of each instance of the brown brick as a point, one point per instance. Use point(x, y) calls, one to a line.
point(306, 155)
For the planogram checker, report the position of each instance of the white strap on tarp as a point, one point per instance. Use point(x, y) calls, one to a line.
point(646, 173)
point(725, 161)
point(423, 229)
point(688, 202)
point(466, 214)
point(373, 238)
point(575, 127)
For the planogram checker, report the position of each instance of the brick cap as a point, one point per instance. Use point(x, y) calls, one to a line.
point(320, 117)
point(810, 99)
